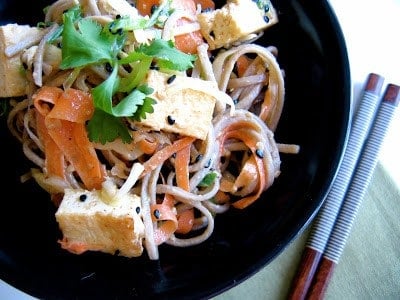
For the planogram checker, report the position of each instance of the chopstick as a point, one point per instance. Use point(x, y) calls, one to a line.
point(325, 219)
point(355, 193)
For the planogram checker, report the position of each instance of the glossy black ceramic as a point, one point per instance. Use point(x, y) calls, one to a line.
point(316, 116)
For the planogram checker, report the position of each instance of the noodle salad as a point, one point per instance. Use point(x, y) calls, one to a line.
point(145, 119)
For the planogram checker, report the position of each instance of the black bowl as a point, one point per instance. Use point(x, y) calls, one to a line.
point(316, 116)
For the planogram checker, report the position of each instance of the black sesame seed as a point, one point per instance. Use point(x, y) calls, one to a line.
point(171, 120)
point(138, 210)
point(83, 197)
point(208, 164)
point(198, 157)
point(108, 67)
point(118, 17)
point(208, 9)
point(157, 213)
point(153, 8)
point(260, 153)
point(266, 19)
point(171, 79)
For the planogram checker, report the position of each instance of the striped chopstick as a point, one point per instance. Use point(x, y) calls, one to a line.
point(325, 219)
point(355, 193)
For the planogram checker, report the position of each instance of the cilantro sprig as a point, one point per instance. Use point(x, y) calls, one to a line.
point(85, 42)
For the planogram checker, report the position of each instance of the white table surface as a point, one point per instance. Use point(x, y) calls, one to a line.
point(371, 30)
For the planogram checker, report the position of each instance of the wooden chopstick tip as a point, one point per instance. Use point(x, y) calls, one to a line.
point(391, 94)
point(305, 273)
point(374, 83)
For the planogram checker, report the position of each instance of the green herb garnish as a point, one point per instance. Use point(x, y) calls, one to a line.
point(208, 180)
point(85, 42)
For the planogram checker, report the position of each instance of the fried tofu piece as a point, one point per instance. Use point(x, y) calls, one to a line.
point(235, 21)
point(96, 221)
point(12, 78)
point(184, 105)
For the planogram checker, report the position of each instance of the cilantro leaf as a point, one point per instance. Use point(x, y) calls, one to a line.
point(89, 44)
point(127, 24)
point(208, 180)
point(137, 75)
point(146, 107)
point(103, 128)
point(167, 55)
point(104, 92)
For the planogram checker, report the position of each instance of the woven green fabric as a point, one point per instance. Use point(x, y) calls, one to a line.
point(369, 267)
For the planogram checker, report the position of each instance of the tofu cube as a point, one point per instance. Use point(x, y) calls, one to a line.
point(90, 222)
point(184, 106)
point(236, 20)
point(12, 79)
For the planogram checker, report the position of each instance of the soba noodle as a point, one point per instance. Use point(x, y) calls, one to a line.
point(239, 153)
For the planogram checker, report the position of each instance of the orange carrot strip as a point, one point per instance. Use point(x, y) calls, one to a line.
point(182, 160)
point(241, 134)
point(145, 6)
point(268, 104)
point(74, 106)
point(45, 98)
point(54, 162)
point(185, 221)
point(65, 114)
point(242, 64)
point(75, 247)
point(147, 146)
point(186, 217)
point(168, 200)
point(205, 4)
point(189, 42)
point(221, 197)
point(167, 222)
point(162, 155)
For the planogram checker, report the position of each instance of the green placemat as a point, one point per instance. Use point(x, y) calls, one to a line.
point(369, 267)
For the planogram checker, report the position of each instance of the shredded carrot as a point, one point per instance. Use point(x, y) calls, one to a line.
point(242, 64)
point(221, 197)
point(239, 131)
point(54, 162)
point(182, 160)
point(186, 217)
point(148, 147)
point(189, 42)
point(65, 114)
point(144, 7)
point(205, 4)
point(76, 247)
point(162, 155)
point(185, 221)
point(268, 105)
point(166, 218)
